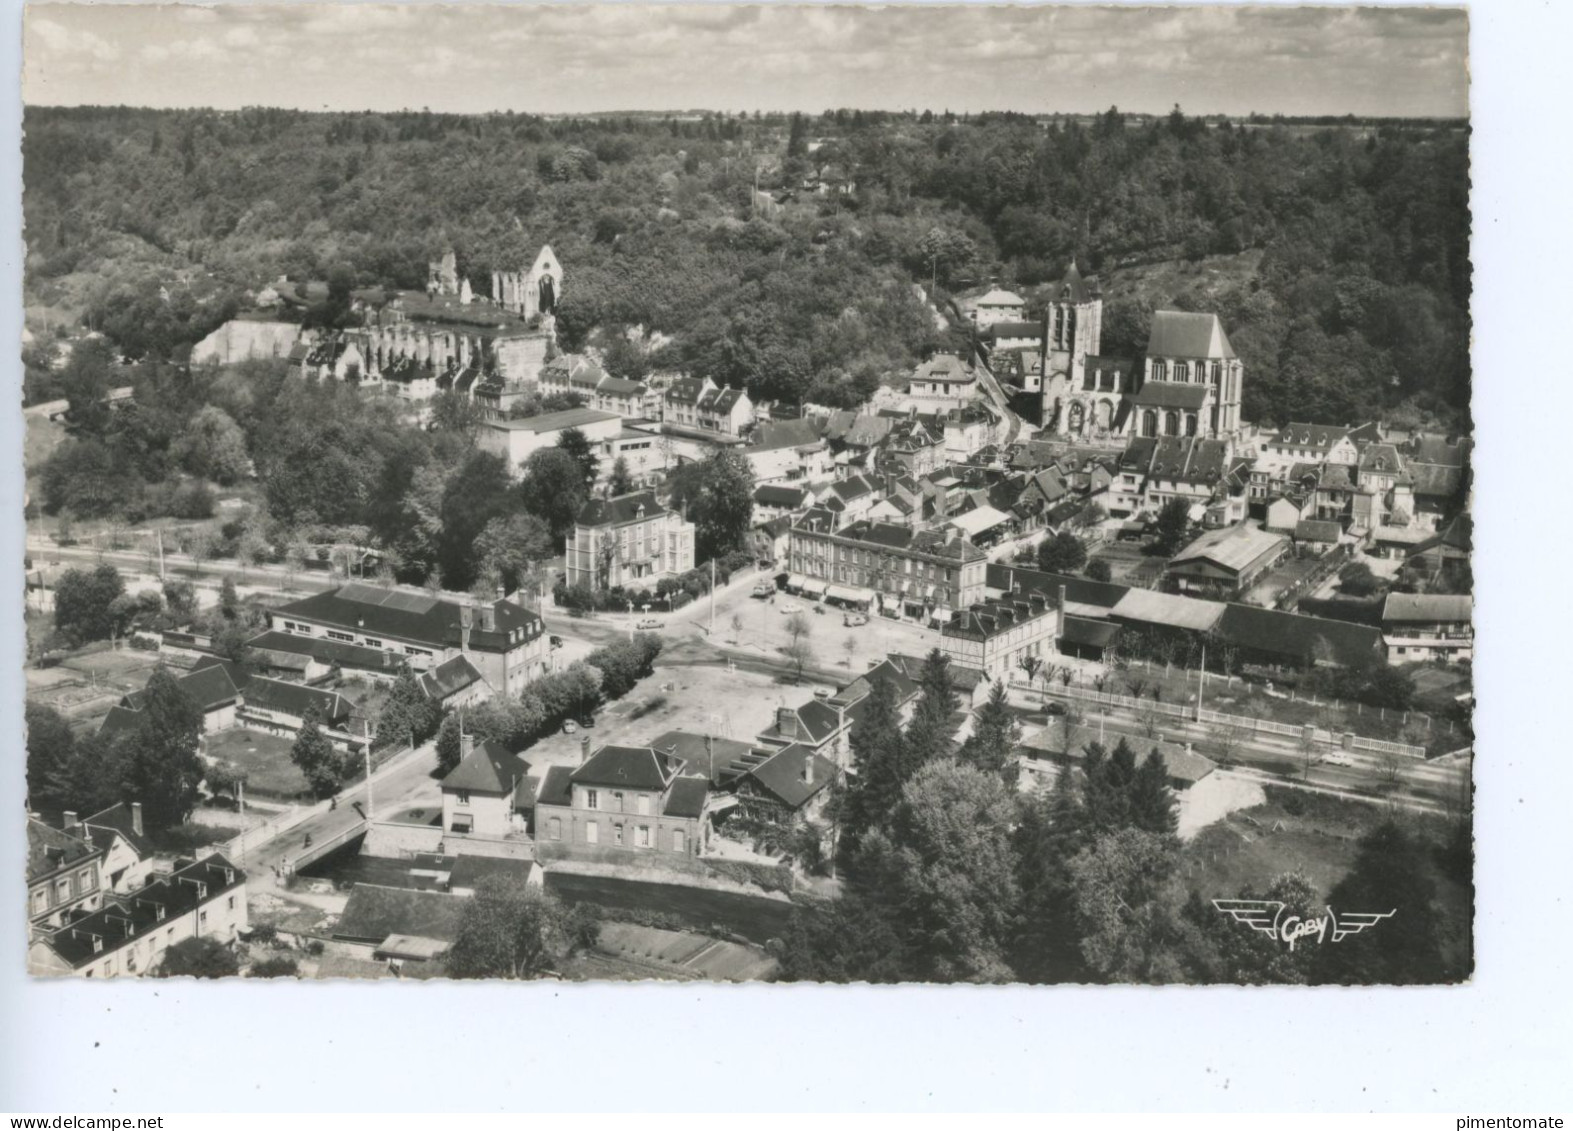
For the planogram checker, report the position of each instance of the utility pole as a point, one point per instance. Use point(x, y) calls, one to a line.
point(1201, 682)
point(712, 598)
point(366, 750)
point(160, 532)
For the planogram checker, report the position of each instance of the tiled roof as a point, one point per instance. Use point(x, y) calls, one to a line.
point(793, 775)
point(632, 507)
point(323, 650)
point(555, 421)
point(450, 677)
point(120, 720)
point(1427, 608)
point(118, 818)
point(1016, 330)
point(1297, 638)
point(469, 870)
point(49, 849)
point(1171, 394)
point(1317, 530)
point(124, 919)
point(687, 798)
point(1097, 633)
point(489, 768)
point(1184, 335)
point(999, 296)
point(375, 912)
point(1078, 590)
point(414, 616)
point(1073, 288)
point(776, 495)
point(1230, 547)
point(1321, 436)
point(556, 787)
point(295, 699)
point(1145, 606)
point(631, 767)
point(701, 752)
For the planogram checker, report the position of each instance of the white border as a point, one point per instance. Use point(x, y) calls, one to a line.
point(1502, 1042)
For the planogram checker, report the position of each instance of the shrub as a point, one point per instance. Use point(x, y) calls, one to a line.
point(771, 877)
point(278, 967)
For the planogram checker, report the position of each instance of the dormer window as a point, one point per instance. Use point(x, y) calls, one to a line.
point(98, 945)
point(159, 913)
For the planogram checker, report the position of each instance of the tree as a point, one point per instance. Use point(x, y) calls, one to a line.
point(50, 746)
point(879, 754)
point(1358, 580)
point(553, 490)
point(995, 732)
point(1063, 553)
point(1174, 524)
point(450, 748)
point(1030, 666)
point(944, 871)
point(1127, 908)
point(477, 494)
point(162, 768)
point(1152, 801)
point(1229, 739)
point(198, 957)
point(1098, 570)
point(507, 930)
point(277, 966)
point(799, 649)
point(843, 940)
point(1391, 872)
point(228, 599)
point(315, 757)
point(576, 444)
point(1051, 830)
point(1247, 957)
point(82, 603)
point(719, 494)
point(621, 482)
point(930, 732)
point(408, 713)
point(510, 547)
point(212, 446)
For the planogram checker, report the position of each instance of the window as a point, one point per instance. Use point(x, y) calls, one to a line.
point(592, 799)
point(202, 920)
point(618, 803)
point(463, 797)
point(370, 643)
point(62, 890)
point(644, 804)
point(642, 836)
point(344, 637)
point(232, 903)
point(461, 824)
point(592, 832)
point(679, 841)
point(98, 943)
point(554, 828)
point(617, 834)
point(86, 881)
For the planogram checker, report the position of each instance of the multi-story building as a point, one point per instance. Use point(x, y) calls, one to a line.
point(725, 411)
point(488, 794)
point(63, 873)
point(680, 405)
point(943, 380)
point(622, 797)
point(628, 540)
point(516, 440)
point(646, 454)
point(994, 635)
point(998, 305)
point(504, 641)
point(129, 933)
point(1428, 626)
point(904, 572)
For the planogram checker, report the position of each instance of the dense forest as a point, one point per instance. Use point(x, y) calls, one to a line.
point(1351, 299)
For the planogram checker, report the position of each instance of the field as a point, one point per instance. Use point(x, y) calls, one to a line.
point(264, 758)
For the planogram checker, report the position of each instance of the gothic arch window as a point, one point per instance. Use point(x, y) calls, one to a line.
point(1217, 374)
point(1104, 415)
point(1076, 419)
point(548, 295)
point(1190, 424)
point(1171, 424)
point(1149, 423)
point(1182, 372)
point(1215, 420)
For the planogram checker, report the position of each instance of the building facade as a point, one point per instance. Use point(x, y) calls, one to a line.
point(903, 572)
point(623, 797)
point(630, 540)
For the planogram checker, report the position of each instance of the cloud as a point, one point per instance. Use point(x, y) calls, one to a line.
point(62, 41)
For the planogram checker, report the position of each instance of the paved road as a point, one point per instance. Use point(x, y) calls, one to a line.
point(400, 782)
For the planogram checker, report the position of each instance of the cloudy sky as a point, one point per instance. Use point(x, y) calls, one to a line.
point(575, 58)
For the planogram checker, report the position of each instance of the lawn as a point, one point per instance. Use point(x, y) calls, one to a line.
point(264, 758)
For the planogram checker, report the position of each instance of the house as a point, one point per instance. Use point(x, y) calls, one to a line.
point(455, 683)
point(646, 455)
point(725, 411)
point(1419, 627)
point(311, 658)
point(625, 398)
point(920, 574)
point(771, 541)
point(489, 793)
point(64, 873)
point(504, 641)
point(680, 403)
point(994, 635)
point(1313, 443)
point(718, 759)
point(128, 854)
point(1317, 535)
point(850, 498)
point(944, 378)
point(1226, 560)
point(128, 934)
point(213, 684)
point(1011, 335)
point(789, 451)
point(516, 440)
point(628, 540)
point(1285, 513)
point(633, 799)
point(1294, 640)
point(773, 500)
point(1440, 470)
point(398, 925)
point(997, 305)
point(791, 781)
point(280, 707)
point(913, 448)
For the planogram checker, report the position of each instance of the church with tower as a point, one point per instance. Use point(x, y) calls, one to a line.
point(1188, 384)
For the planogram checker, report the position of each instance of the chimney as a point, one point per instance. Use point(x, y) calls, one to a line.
point(466, 619)
point(786, 722)
point(68, 820)
point(1059, 621)
point(466, 745)
point(808, 770)
point(136, 817)
point(502, 593)
point(584, 749)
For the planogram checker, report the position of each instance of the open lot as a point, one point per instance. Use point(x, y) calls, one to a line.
point(264, 758)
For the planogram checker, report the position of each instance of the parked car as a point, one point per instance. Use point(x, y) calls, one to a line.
point(586, 722)
point(854, 620)
point(557, 642)
point(649, 624)
point(1338, 759)
point(787, 610)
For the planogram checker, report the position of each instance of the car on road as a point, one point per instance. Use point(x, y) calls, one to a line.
point(570, 726)
point(1338, 759)
point(854, 620)
point(649, 624)
point(788, 609)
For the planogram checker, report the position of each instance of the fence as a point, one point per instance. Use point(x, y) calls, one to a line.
point(1244, 722)
point(236, 847)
